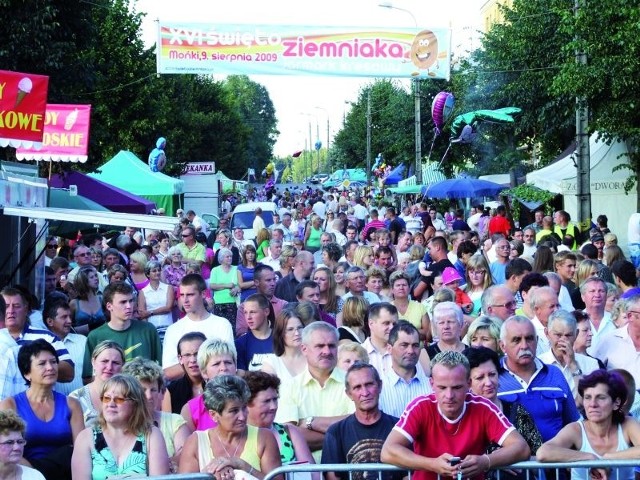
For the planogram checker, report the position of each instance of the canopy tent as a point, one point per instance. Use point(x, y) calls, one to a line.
point(62, 199)
point(113, 198)
point(407, 189)
point(128, 172)
point(607, 186)
point(396, 175)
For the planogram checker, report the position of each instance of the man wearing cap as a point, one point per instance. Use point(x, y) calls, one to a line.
point(597, 241)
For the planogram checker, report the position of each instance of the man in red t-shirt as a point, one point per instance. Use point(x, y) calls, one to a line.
point(447, 433)
point(500, 223)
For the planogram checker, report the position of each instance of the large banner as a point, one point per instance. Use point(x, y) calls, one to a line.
point(23, 99)
point(66, 135)
point(315, 50)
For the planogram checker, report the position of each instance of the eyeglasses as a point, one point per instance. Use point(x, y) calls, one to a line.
point(106, 399)
point(509, 305)
point(293, 329)
point(51, 247)
point(186, 235)
point(635, 312)
point(85, 254)
point(21, 442)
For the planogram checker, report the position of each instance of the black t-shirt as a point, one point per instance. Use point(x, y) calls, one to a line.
point(397, 226)
point(349, 441)
point(437, 268)
point(426, 220)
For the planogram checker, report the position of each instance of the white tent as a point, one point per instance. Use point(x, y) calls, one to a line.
point(607, 187)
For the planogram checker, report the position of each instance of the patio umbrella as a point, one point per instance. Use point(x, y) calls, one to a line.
point(463, 188)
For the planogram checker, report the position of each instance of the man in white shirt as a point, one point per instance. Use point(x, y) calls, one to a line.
point(197, 222)
point(529, 238)
point(361, 213)
point(382, 318)
point(273, 259)
point(543, 301)
point(192, 289)
point(319, 208)
point(594, 295)
point(561, 331)
point(621, 348)
point(57, 317)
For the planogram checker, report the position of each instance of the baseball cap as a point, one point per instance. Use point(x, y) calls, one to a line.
point(450, 275)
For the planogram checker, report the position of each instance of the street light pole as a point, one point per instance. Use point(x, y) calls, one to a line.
point(582, 145)
point(327, 144)
point(369, 138)
point(415, 82)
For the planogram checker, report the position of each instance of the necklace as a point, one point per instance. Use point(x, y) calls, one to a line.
point(446, 426)
point(225, 448)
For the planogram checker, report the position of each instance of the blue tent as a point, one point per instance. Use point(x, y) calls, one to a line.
point(396, 175)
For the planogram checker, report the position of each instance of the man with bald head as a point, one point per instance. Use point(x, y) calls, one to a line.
point(543, 302)
point(499, 302)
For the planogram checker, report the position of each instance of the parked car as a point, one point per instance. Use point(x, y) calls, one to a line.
point(244, 214)
point(319, 177)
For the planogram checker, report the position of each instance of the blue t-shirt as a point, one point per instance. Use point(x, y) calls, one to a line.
point(498, 272)
point(252, 351)
point(247, 276)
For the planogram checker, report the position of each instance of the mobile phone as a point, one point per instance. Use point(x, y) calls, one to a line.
point(454, 461)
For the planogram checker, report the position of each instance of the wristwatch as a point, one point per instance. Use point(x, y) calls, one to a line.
point(577, 373)
point(308, 421)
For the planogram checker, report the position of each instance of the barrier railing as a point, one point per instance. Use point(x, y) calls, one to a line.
point(379, 468)
point(530, 467)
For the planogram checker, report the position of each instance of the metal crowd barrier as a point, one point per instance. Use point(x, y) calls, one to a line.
point(530, 467)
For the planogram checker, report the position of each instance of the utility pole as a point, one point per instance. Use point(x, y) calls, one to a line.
point(369, 138)
point(418, 134)
point(583, 153)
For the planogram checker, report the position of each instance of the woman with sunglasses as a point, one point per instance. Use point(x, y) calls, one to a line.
point(124, 442)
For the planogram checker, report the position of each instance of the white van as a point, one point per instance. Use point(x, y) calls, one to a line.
point(244, 214)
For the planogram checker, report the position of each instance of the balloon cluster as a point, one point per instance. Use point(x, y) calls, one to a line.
point(382, 171)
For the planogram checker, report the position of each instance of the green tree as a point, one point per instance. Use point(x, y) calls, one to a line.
point(252, 102)
point(529, 61)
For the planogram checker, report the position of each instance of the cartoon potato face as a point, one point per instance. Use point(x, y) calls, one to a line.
point(424, 50)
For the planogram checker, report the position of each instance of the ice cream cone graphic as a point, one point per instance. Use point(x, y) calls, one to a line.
point(71, 120)
point(24, 88)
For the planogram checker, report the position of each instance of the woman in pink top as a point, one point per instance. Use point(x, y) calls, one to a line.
point(215, 357)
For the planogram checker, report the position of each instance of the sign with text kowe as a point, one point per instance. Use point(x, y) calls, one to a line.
point(23, 101)
point(66, 135)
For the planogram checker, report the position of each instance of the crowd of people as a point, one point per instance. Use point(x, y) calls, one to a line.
point(345, 332)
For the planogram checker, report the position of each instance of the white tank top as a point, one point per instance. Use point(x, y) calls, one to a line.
point(624, 473)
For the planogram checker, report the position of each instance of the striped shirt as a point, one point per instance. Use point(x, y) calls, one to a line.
point(397, 393)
